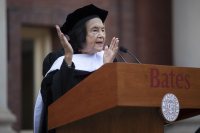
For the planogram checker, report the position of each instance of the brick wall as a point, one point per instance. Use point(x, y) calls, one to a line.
point(154, 31)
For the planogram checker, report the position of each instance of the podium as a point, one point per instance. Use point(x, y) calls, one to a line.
point(125, 98)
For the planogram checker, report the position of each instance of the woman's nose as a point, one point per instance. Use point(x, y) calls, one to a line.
point(101, 34)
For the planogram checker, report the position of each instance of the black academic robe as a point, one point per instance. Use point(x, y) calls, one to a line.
point(55, 84)
point(50, 59)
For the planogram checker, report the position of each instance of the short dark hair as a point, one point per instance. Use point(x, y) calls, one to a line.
point(78, 34)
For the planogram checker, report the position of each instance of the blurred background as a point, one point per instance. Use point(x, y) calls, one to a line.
point(165, 32)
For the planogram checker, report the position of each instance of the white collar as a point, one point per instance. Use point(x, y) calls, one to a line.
point(85, 62)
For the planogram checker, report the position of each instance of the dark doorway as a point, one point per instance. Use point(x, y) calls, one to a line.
point(27, 84)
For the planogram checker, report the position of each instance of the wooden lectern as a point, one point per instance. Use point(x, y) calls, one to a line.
point(125, 98)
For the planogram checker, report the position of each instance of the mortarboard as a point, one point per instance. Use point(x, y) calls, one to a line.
point(81, 13)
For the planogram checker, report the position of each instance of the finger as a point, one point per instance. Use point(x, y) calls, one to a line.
point(62, 37)
point(112, 43)
point(106, 48)
point(115, 43)
point(60, 34)
point(58, 31)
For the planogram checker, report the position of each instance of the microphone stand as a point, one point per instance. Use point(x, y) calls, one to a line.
point(133, 56)
point(121, 57)
point(122, 49)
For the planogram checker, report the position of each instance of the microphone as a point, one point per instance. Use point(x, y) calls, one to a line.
point(124, 50)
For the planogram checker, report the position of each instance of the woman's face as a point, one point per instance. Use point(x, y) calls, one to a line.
point(95, 36)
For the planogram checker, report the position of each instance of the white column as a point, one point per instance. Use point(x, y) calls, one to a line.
point(186, 47)
point(6, 118)
point(186, 32)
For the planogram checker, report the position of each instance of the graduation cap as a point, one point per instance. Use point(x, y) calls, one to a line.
point(81, 13)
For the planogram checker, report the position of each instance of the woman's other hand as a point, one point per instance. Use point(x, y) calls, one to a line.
point(66, 45)
point(111, 51)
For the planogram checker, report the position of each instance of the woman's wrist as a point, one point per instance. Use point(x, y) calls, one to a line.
point(68, 59)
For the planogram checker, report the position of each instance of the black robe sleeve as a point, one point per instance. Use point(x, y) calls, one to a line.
point(65, 79)
point(55, 84)
point(47, 99)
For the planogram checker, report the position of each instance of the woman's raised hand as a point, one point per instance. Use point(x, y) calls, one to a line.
point(111, 51)
point(66, 45)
